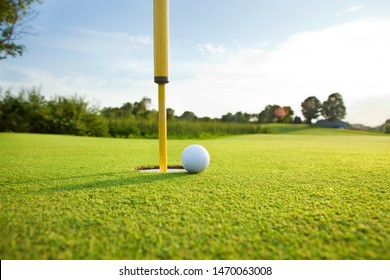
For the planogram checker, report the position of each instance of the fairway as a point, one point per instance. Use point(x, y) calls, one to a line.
point(281, 196)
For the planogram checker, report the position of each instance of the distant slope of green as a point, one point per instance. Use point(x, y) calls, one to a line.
point(268, 196)
point(302, 129)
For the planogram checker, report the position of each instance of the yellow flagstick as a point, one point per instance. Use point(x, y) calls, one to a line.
point(160, 16)
point(162, 128)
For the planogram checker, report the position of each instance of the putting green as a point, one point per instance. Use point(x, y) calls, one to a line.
point(280, 196)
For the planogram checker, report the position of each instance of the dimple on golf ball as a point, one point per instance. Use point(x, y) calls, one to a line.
point(195, 158)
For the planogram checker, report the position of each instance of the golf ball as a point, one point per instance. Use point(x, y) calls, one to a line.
point(195, 158)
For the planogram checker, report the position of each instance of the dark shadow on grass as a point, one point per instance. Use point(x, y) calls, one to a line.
point(139, 180)
point(56, 179)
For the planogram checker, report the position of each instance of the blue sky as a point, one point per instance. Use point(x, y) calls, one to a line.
point(225, 55)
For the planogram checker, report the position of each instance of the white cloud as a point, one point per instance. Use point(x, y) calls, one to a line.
point(98, 65)
point(211, 50)
point(355, 8)
point(101, 91)
point(351, 9)
point(351, 59)
point(93, 42)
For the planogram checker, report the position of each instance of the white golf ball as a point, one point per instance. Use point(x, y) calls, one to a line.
point(195, 158)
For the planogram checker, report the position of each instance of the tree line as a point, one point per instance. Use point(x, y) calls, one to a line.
point(29, 111)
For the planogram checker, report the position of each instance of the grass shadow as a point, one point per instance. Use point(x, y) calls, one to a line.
point(139, 179)
point(57, 179)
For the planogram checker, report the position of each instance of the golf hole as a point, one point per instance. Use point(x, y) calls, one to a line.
point(156, 168)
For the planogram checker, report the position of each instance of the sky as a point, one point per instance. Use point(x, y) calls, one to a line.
point(225, 55)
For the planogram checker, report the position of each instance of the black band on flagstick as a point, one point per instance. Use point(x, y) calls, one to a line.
point(161, 80)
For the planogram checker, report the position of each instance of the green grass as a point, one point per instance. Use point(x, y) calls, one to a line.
point(300, 129)
point(280, 196)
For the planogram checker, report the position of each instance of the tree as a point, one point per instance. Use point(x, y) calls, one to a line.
point(268, 114)
point(30, 112)
point(333, 109)
point(241, 117)
point(140, 108)
point(297, 120)
point(276, 114)
point(386, 126)
point(14, 14)
point(238, 117)
point(171, 114)
point(311, 108)
point(25, 112)
point(188, 116)
point(286, 117)
point(228, 117)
